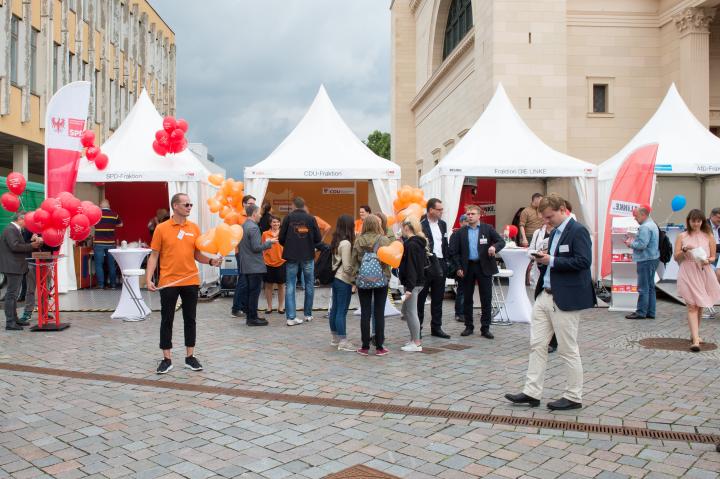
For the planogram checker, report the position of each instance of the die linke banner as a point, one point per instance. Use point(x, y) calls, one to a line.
point(632, 187)
point(64, 123)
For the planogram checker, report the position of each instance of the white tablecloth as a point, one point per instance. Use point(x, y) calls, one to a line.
point(517, 303)
point(130, 258)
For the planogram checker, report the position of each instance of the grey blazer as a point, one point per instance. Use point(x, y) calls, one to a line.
point(251, 249)
point(13, 251)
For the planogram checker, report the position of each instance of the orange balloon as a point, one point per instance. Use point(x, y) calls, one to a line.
point(227, 187)
point(232, 218)
point(223, 239)
point(237, 232)
point(405, 194)
point(206, 242)
point(397, 205)
point(224, 211)
point(214, 205)
point(413, 209)
point(418, 196)
point(391, 220)
point(391, 255)
point(216, 179)
point(242, 218)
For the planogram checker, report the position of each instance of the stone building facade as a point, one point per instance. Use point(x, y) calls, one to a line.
point(120, 46)
point(584, 74)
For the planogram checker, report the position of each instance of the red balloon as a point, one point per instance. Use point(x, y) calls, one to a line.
point(16, 183)
point(92, 211)
point(177, 135)
point(92, 153)
point(80, 234)
point(50, 204)
point(60, 218)
point(164, 139)
point(512, 230)
point(69, 202)
point(79, 222)
point(41, 218)
point(183, 125)
point(101, 161)
point(87, 139)
point(30, 223)
point(10, 202)
point(161, 134)
point(178, 146)
point(53, 237)
point(159, 149)
point(169, 124)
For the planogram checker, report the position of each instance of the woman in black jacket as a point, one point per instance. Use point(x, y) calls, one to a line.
point(412, 277)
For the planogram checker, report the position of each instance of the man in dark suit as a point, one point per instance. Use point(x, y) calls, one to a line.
point(13, 253)
point(564, 290)
point(435, 231)
point(472, 250)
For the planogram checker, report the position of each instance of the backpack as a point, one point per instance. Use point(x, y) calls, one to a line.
point(323, 267)
point(370, 275)
point(665, 246)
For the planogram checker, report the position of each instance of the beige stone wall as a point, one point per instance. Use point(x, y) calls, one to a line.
point(715, 73)
point(712, 193)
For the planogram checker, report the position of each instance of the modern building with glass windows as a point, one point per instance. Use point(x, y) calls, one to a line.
point(585, 75)
point(120, 46)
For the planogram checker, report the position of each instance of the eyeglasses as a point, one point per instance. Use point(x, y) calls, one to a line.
point(188, 205)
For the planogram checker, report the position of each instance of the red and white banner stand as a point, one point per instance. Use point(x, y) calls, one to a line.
point(65, 120)
point(633, 186)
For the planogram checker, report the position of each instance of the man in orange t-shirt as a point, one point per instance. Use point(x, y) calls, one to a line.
point(174, 241)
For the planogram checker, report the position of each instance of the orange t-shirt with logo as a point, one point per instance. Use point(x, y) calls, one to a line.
point(273, 256)
point(176, 244)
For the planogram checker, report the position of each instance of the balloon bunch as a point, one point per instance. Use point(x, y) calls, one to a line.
point(221, 240)
point(56, 215)
point(16, 185)
point(227, 202)
point(171, 138)
point(92, 152)
point(410, 202)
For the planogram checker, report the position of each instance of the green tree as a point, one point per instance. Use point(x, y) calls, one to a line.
point(379, 143)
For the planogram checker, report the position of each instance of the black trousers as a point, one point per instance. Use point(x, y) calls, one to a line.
point(11, 295)
point(372, 301)
point(474, 275)
point(168, 301)
point(435, 285)
point(252, 291)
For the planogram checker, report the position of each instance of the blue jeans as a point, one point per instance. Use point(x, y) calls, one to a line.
point(459, 300)
point(239, 298)
point(646, 287)
point(101, 252)
point(341, 294)
point(308, 270)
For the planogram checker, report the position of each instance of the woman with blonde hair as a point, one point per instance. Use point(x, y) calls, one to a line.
point(696, 282)
point(371, 279)
point(412, 277)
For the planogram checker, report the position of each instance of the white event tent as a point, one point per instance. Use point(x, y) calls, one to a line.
point(501, 145)
point(686, 148)
point(322, 147)
point(132, 159)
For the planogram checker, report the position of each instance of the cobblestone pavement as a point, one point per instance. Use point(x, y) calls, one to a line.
point(62, 427)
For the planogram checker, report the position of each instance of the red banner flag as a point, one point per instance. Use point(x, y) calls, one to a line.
point(632, 187)
point(64, 123)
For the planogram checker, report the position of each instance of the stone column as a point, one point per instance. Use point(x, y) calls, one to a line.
point(20, 159)
point(403, 141)
point(692, 25)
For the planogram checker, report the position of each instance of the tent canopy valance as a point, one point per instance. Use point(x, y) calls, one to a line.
point(323, 147)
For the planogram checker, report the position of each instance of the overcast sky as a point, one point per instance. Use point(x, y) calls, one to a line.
point(247, 71)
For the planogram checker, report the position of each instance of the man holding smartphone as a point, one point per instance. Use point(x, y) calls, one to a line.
point(564, 289)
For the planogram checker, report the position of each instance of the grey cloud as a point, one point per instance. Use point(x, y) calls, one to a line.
point(247, 71)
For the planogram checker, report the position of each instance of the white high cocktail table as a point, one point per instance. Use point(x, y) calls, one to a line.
point(131, 306)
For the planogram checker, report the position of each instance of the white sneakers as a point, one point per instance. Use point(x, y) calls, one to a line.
point(411, 348)
point(346, 345)
point(293, 322)
point(308, 319)
point(334, 342)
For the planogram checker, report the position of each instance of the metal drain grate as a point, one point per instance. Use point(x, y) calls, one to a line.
point(378, 407)
point(360, 472)
point(674, 344)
